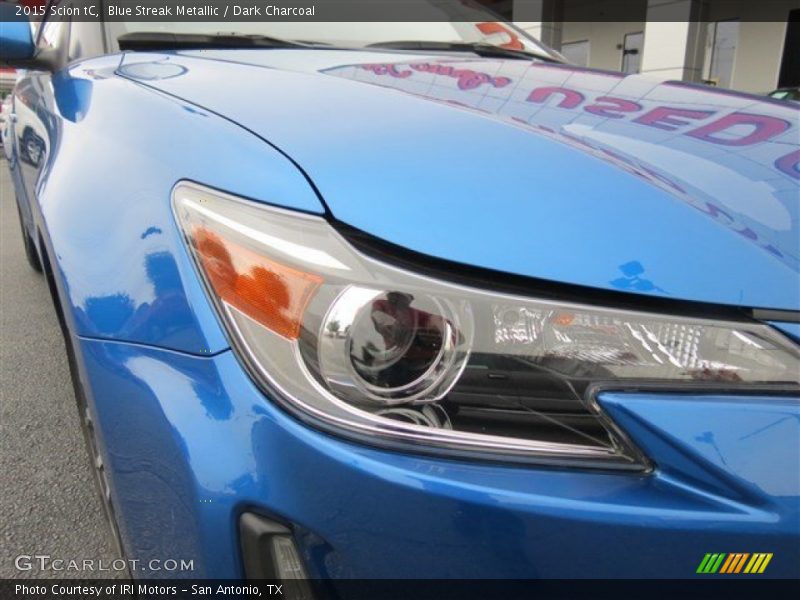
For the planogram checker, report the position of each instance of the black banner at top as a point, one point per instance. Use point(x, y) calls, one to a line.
point(407, 10)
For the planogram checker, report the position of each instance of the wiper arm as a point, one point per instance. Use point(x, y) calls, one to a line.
point(480, 48)
point(158, 40)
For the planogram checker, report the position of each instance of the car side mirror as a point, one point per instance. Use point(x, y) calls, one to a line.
point(16, 42)
point(16, 39)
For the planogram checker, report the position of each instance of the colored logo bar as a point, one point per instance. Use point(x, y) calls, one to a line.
point(733, 563)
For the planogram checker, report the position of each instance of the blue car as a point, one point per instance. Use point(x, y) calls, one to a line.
point(415, 301)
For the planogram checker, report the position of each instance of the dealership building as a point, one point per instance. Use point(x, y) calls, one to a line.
point(751, 46)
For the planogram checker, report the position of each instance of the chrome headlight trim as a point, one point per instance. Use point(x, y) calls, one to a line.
point(373, 429)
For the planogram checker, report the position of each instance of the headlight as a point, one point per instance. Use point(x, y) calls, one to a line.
point(388, 356)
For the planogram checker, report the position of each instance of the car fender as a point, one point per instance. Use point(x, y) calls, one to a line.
point(120, 264)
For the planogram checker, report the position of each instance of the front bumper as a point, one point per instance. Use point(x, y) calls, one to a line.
point(191, 444)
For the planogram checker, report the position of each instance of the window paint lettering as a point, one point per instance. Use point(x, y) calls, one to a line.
point(762, 127)
point(669, 118)
point(789, 164)
point(664, 182)
point(613, 107)
point(735, 129)
point(494, 28)
point(569, 98)
point(387, 69)
point(467, 79)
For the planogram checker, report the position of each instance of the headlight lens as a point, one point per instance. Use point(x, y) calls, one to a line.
point(383, 354)
point(387, 348)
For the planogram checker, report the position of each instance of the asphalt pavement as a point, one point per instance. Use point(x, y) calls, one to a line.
point(48, 501)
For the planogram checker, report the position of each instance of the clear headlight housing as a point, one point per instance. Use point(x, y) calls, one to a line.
point(388, 356)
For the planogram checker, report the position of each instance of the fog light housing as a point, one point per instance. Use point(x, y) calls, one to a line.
point(269, 553)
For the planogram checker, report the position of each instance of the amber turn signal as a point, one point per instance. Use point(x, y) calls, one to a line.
point(268, 292)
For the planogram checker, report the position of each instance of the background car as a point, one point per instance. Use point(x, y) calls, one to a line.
point(5, 111)
point(432, 308)
point(786, 94)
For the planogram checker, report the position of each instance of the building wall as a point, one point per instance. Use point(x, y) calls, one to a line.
point(674, 50)
point(757, 60)
point(603, 40)
point(758, 56)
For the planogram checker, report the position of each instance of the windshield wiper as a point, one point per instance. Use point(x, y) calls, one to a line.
point(158, 40)
point(480, 48)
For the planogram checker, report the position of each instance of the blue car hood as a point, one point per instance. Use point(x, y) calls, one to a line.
point(537, 169)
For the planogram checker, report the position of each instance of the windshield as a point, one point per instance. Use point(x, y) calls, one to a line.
point(355, 35)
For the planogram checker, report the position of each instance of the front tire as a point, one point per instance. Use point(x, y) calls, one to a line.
point(96, 462)
point(97, 465)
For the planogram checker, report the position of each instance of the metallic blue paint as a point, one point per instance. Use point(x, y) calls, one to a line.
point(790, 329)
point(180, 430)
point(566, 187)
point(190, 442)
point(16, 40)
point(125, 271)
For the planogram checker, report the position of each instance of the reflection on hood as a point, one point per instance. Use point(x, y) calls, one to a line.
point(695, 142)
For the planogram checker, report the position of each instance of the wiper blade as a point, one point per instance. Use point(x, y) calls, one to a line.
point(480, 48)
point(159, 40)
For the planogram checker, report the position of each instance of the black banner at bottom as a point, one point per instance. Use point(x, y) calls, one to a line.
point(399, 589)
